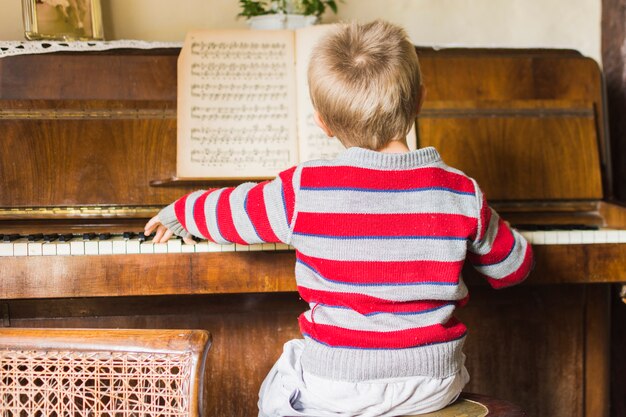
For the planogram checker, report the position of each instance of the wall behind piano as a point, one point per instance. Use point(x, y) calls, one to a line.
point(477, 23)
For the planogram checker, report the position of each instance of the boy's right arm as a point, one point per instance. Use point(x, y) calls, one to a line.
point(247, 214)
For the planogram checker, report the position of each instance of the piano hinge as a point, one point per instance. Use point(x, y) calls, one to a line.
point(78, 212)
point(65, 114)
point(6, 319)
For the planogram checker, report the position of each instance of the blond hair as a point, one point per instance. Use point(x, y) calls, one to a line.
point(365, 83)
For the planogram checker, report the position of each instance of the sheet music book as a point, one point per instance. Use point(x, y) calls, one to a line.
point(243, 104)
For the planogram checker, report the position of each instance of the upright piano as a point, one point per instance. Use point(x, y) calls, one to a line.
point(87, 138)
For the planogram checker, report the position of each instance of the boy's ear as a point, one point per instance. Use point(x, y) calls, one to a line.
point(322, 125)
point(422, 94)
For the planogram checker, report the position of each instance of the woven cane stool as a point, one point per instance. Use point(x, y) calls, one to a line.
point(472, 405)
point(97, 372)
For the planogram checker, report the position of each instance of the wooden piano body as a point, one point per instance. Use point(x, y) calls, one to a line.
point(83, 136)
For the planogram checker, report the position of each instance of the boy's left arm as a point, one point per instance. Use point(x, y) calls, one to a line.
point(499, 252)
point(247, 214)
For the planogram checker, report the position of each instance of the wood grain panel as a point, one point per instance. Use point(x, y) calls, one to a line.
point(517, 151)
point(525, 344)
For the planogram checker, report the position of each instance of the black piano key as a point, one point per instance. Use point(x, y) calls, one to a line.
point(104, 236)
point(129, 235)
point(143, 237)
point(66, 237)
point(35, 237)
point(11, 237)
point(89, 236)
point(50, 237)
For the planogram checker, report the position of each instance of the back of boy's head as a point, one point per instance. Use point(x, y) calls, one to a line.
point(365, 83)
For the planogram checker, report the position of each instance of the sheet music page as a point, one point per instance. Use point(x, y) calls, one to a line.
point(236, 104)
point(313, 142)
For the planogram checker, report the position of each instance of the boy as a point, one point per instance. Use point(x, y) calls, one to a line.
point(381, 234)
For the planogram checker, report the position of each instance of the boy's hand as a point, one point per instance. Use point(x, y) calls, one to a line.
point(163, 234)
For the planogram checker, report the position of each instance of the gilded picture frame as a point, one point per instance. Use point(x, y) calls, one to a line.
point(64, 20)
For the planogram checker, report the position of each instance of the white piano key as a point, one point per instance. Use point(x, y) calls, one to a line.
point(185, 248)
point(147, 247)
point(20, 247)
point(282, 246)
point(612, 236)
point(587, 236)
point(214, 247)
point(6, 249)
point(550, 237)
point(227, 248)
point(202, 247)
point(622, 236)
point(175, 246)
point(576, 237)
point(160, 247)
point(77, 248)
point(256, 247)
point(268, 246)
point(91, 247)
point(133, 246)
point(599, 236)
point(562, 237)
point(539, 237)
point(63, 249)
point(35, 249)
point(49, 249)
point(105, 247)
point(119, 246)
point(241, 248)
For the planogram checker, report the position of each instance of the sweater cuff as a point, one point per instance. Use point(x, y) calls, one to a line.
point(167, 217)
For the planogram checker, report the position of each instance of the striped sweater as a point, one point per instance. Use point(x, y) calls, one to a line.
point(380, 242)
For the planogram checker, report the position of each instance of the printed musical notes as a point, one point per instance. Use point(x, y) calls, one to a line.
point(237, 104)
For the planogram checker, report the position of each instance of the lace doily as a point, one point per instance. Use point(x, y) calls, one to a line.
point(10, 48)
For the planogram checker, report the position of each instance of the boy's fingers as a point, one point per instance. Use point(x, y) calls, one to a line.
point(159, 233)
point(167, 235)
point(188, 240)
point(152, 223)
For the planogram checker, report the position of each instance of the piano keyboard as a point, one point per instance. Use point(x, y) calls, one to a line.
point(105, 244)
point(34, 245)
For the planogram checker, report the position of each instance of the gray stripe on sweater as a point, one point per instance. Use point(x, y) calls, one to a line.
point(189, 205)
point(381, 322)
point(275, 206)
point(381, 249)
point(373, 202)
point(241, 220)
point(307, 278)
point(437, 361)
point(210, 210)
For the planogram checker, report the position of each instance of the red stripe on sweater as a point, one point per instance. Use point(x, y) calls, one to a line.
point(340, 337)
point(365, 304)
point(355, 177)
point(225, 218)
point(500, 248)
point(517, 276)
point(257, 212)
point(485, 218)
point(179, 209)
point(384, 272)
point(199, 215)
point(288, 192)
point(365, 224)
